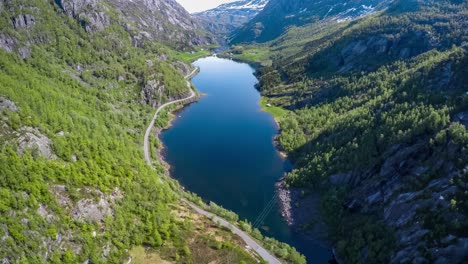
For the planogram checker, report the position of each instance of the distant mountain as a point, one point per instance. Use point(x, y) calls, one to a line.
point(278, 15)
point(226, 18)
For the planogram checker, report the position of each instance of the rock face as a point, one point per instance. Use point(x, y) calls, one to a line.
point(7, 43)
point(144, 19)
point(355, 55)
point(95, 211)
point(24, 21)
point(91, 13)
point(6, 104)
point(86, 209)
point(278, 15)
point(152, 93)
point(31, 139)
point(224, 19)
point(414, 202)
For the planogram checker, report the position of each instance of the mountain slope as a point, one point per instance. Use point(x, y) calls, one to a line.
point(377, 124)
point(224, 19)
point(278, 15)
point(78, 85)
point(164, 20)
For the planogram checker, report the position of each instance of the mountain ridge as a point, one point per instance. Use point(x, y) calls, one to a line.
point(278, 15)
point(224, 19)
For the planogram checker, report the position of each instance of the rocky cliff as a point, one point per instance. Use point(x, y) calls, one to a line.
point(164, 20)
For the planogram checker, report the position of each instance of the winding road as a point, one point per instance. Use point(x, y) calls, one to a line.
point(150, 127)
point(247, 239)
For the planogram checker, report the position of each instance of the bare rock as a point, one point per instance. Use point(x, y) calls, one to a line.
point(7, 43)
point(87, 209)
point(90, 13)
point(44, 211)
point(153, 92)
point(6, 104)
point(31, 139)
point(183, 68)
point(24, 21)
point(352, 50)
point(24, 52)
point(177, 25)
point(150, 63)
point(95, 210)
point(61, 194)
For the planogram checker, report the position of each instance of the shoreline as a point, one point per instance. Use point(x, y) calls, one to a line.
point(161, 151)
point(308, 223)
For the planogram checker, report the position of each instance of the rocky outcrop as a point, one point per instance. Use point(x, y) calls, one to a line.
point(161, 19)
point(182, 68)
point(8, 105)
point(144, 19)
point(152, 93)
point(24, 21)
point(93, 210)
point(30, 139)
point(91, 13)
point(7, 43)
point(366, 54)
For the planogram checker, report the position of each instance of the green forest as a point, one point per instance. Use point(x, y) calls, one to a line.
point(358, 90)
point(79, 95)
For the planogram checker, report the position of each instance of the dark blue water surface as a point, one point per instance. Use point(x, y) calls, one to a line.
point(222, 149)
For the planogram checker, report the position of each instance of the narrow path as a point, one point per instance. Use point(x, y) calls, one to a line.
point(247, 239)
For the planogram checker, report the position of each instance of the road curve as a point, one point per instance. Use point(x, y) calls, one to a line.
point(150, 127)
point(247, 239)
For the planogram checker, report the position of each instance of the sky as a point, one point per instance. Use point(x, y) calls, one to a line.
point(200, 5)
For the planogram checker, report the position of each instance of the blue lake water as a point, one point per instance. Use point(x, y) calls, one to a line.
point(221, 148)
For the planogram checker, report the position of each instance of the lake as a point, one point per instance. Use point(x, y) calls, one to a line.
point(222, 149)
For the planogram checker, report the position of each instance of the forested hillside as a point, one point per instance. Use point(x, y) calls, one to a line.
point(377, 120)
point(79, 81)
